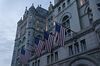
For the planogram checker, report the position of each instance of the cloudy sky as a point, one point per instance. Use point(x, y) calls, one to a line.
point(10, 12)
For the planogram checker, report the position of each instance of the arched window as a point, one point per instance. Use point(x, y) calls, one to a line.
point(66, 21)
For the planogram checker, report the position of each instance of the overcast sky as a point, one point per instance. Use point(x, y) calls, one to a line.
point(10, 12)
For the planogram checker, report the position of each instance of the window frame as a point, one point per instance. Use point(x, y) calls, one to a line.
point(83, 45)
point(71, 52)
point(56, 56)
point(76, 47)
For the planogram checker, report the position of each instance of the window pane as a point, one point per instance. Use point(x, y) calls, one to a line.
point(48, 59)
point(38, 62)
point(83, 45)
point(76, 46)
point(56, 56)
point(33, 64)
point(52, 57)
point(70, 50)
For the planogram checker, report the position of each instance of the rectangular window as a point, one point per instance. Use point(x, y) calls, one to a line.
point(76, 47)
point(70, 50)
point(56, 56)
point(52, 57)
point(38, 62)
point(33, 64)
point(83, 45)
point(48, 59)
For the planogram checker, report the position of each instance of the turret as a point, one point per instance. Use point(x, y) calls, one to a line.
point(50, 8)
point(32, 10)
point(30, 26)
point(25, 14)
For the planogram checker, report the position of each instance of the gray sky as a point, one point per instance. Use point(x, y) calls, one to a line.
point(10, 12)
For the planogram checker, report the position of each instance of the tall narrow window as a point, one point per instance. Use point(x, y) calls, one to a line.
point(76, 47)
point(33, 64)
point(56, 56)
point(48, 59)
point(52, 57)
point(38, 62)
point(83, 45)
point(70, 50)
point(66, 21)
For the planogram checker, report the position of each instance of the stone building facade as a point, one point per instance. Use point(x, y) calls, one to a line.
point(82, 42)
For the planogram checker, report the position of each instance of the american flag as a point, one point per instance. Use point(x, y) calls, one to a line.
point(23, 58)
point(38, 46)
point(59, 35)
point(48, 41)
point(41, 44)
point(62, 36)
point(29, 50)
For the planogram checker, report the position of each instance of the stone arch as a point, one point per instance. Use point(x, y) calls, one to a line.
point(65, 14)
point(65, 18)
point(83, 61)
point(65, 21)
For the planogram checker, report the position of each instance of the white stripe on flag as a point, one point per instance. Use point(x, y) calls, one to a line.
point(38, 48)
point(62, 36)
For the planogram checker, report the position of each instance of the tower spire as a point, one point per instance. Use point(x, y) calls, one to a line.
point(32, 4)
